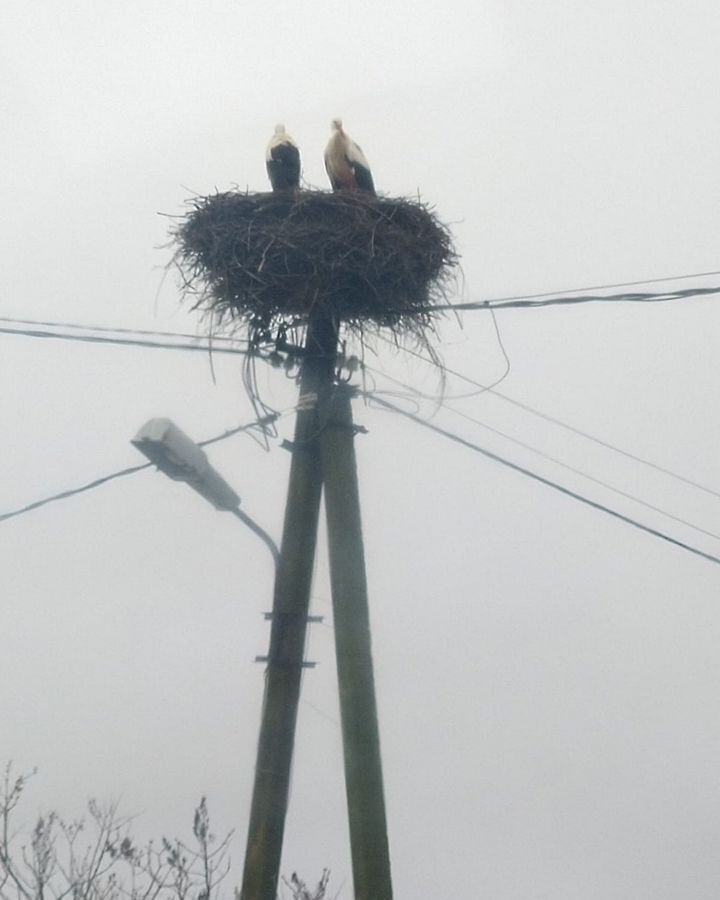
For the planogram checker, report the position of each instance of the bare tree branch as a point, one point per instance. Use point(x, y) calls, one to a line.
point(94, 858)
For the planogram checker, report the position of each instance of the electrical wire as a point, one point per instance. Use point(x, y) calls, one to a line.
point(63, 495)
point(118, 330)
point(128, 342)
point(606, 287)
point(499, 303)
point(555, 300)
point(527, 303)
point(587, 298)
point(554, 420)
point(506, 370)
point(481, 387)
point(546, 481)
point(567, 466)
point(264, 420)
point(480, 304)
point(551, 298)
point(593, 478)
point(320, 712)
point(261, 422)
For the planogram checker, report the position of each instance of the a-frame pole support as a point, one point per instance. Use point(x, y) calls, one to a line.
point(289, 620)
point(361, 740)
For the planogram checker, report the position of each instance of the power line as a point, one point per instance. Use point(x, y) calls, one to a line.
point(555, 421)
point(514, 300)
point(593, 478)
point(555, 300)
point(546, 481)
point(593, 298)
point(128, 342)
point(604, 287)
point(482, 388)
point(480, 303)
point(260, 422)
point(63, 495)
point(118, 330)
point(564, 465)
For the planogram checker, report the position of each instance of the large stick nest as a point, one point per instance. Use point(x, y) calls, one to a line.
point(266, 260)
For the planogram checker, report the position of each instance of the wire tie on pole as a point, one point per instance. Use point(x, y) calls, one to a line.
point(356, 429)
point(307, 401)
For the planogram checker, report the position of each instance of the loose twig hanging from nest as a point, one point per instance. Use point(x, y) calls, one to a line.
point(266, 260)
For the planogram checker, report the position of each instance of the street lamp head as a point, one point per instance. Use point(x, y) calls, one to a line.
point(180, 458)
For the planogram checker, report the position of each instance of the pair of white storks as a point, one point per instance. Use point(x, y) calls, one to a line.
point(344, 161)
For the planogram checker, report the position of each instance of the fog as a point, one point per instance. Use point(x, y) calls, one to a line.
point(547, 675)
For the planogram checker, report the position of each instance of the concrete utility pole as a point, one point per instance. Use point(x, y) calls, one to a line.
point(289, 620)
point(323, 456)
point(358, 710)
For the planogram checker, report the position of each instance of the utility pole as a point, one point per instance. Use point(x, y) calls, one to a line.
point(326, 259)
point(323, 458)
point(358, 710)
point(289, 619)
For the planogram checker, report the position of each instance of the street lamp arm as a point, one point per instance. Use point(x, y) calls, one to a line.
point(180, 458)
point(260, 532)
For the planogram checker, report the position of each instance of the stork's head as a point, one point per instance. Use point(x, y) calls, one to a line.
point(279, 129)
point(336, 125)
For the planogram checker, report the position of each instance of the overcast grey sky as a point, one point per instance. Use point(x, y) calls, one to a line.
point(548, 677)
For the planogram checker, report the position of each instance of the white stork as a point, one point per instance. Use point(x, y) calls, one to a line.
point(345, 162)
point(282, 161)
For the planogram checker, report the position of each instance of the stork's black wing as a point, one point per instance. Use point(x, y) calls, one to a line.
point(283, 167)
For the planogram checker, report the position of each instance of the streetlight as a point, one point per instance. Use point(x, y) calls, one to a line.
point(180, 458)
